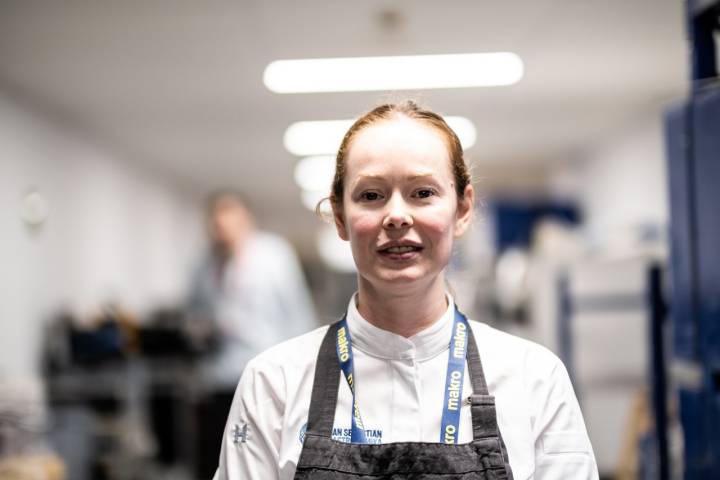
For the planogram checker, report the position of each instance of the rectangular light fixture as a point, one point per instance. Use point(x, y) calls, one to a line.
point(410, 72)
point(323, 137)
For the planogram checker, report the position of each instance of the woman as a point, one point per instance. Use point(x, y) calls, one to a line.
point(385, 392)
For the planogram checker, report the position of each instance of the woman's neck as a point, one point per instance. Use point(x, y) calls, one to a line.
point(404, 313)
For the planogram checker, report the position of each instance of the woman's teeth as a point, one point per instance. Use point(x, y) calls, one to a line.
point(400, 249)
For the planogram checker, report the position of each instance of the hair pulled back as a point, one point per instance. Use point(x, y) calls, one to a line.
point(389, 111)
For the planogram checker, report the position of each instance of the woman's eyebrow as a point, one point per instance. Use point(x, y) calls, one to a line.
point(367, 177)
point(420, 176)
point(372, 176)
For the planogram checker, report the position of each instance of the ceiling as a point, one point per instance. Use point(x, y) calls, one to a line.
point(177, 85)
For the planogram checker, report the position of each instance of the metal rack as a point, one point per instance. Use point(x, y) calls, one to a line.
point(644, 300)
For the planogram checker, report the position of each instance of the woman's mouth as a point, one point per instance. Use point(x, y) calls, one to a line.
point(400, 249)
point(400, 252)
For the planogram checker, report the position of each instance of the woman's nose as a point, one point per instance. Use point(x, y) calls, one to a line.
point(398, 214)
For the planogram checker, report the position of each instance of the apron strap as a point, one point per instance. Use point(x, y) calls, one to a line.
point(477, 374)
point(482, 404)
point(325, 387)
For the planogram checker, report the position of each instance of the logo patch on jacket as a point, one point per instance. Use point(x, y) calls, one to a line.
point(239, 433)
point(373, 436)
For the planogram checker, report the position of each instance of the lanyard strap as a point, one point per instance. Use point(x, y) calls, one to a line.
point(345, 356)
point(453, 379)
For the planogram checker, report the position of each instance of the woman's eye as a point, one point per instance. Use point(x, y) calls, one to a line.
point(424, 193)
point(370, 196)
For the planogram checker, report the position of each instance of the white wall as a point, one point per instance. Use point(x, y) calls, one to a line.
point(621, 186)
point(624, 181)
point(114, 232)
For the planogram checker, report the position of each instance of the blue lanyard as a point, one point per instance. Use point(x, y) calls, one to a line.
point(345, 356)
point(453, 379)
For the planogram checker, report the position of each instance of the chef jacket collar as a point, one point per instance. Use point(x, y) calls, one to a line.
point(380, 343)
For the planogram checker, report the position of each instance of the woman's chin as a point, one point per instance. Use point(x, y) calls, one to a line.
point(402, 279)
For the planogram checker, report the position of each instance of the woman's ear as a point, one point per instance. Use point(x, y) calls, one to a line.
point(464, 213)
point(339, 219)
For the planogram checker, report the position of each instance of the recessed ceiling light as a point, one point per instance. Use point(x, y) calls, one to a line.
point(410, 72)
point(323, 137)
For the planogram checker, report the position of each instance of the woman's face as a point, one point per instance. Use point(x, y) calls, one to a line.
point(400, 209)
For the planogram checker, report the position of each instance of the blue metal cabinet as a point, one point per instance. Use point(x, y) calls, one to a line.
point(693, 147)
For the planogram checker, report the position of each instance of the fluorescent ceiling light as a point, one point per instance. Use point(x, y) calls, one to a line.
point(464, 128)
point(311, 198)
point(320, 137)
point(393, 73)
point(315, 173)
point(323, 137)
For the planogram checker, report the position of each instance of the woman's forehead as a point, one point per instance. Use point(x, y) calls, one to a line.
point(398, 137)
point(399, 127)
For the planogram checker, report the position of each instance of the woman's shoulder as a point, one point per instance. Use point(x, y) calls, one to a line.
point(513, 351)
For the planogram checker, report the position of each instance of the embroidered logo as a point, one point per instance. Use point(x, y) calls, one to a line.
point(239, 434)
point(372, 435)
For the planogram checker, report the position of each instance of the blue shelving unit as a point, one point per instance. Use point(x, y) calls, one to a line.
point(693, 147)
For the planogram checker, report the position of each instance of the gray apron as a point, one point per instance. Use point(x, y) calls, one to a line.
point(485, 458)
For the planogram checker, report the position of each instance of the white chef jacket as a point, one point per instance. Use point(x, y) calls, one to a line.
point(400, 384)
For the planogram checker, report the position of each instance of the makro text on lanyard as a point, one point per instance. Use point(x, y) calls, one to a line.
point(449, 429)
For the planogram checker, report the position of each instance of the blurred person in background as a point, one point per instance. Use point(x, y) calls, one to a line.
point(401, 196)
point(248, 293)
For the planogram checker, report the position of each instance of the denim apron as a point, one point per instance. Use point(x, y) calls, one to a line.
point(324, 458)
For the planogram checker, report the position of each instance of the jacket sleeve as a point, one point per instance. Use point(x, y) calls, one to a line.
point(562, 446)
point(251, 440)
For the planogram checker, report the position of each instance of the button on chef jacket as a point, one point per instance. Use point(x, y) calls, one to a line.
point(400, 385)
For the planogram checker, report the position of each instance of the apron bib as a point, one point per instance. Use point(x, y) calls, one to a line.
point(485, 458)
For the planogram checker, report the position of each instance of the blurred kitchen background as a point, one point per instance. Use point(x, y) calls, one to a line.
point(118, 119)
